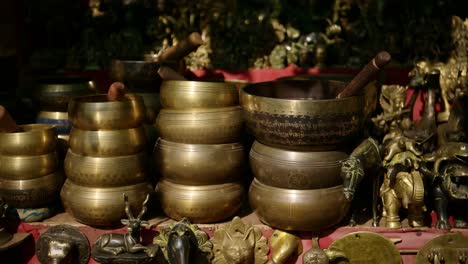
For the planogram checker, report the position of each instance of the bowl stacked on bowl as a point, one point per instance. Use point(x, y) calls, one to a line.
point(107, 158)
point(198, 154)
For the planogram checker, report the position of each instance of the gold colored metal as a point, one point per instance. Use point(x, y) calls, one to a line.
point(106, 171)
point(296, 169)
point(201, 126)
point(284, 245)
point(201, 204)
point(36, 139)
point(195, 94)
point(315, 255)
point(27, 167)
point(446, 248)
point(152, 106)
point(395, 115)
point(108, 143)
point(58, 119)
point(53, 115)
point(302, 210)
point(199, 164)
point(96, 112)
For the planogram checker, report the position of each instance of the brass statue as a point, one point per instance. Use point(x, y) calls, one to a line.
point(395, 115)
point(239, 243)
point(284, 245)
point(317, 256)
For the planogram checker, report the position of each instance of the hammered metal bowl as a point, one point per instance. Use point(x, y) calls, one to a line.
point(152, 106)
point(108, 143)
point(106, 171)
point(201, 126)
point(36, 139)
point(293, 169)
point(196, 94)
point(199, 164)
point(57, 119)
point(27, 167)
point(200, 204)
point(299, 210)
point(102, 206)
point(96, 112)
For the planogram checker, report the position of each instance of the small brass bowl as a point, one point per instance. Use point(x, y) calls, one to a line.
point(201, 126)
point(96, 112)
point(57, 119)
point(195, 94)
point(27, 167)
point(36, 139)
point(292, 169)
point(299, 210)
point(200, 204)
point(107, 171)
point(102, 206)
point(32, 193)
point(107, 143)
point(152, 106)
point(199, 164)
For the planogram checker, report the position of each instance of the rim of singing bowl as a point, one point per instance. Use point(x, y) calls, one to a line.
point(199, 115)
point(107, 143)
point(35, 139)
point(65, 84)
point(27, 167)
point(56, 115)
point(95, 112)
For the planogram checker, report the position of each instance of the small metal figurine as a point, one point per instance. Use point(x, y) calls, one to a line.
point(394, 116)
point(315, 255)
point(284, 245)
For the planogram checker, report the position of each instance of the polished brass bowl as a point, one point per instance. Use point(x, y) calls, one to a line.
point(200, 126)
point(102, 206)
point(96, 112)
point(36, 139)
point(293, 169)
point(57, 119)
point(32, 193)
point(106, 172)
point(152, 106)
point(301, 210)
point(304, 114)
point(108, 143)
point(195, 94)
point(137, 75)
point(200, 204)
point(27, 167)
point(199, 164)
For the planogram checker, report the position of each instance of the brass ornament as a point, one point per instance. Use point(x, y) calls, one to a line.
point(239, 243)
point(447, 248)
point(394, 115)
point(284, 245)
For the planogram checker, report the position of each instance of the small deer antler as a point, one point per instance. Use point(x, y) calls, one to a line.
point(128, 210)
point(143, 207)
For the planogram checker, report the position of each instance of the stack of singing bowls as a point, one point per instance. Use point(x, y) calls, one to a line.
point(198, 153)
point(301, 133)
point(106, 159)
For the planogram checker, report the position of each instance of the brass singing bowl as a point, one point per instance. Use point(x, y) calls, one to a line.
point(106, 171)
point(96, 112)
point(32, 193)
point(300, 210)
point(107, 143)
point(57, 119)
point(304, 114)
point(293, 169)
point(27, 167)
point(200, 204)
point(199, 164)
point(196, 94)
point(152, 106)
point(200, 126)
point(35, 139)
point(102, 206)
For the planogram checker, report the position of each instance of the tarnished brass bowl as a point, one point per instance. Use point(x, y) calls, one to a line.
point(102, 206)
point(201, 126)
point(107, 171)
point(27, 167)
point(36, 139)
point(200, 204)
point(57, 119)
point(96, 112)
point(152, 106)
point(108, 143)
point(292, 169)
point(195, 94)
point(301, 210)
point(32, 193)
point(199, 164)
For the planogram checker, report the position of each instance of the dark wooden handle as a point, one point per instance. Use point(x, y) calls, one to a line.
point(167, 74)
point(116, 91)
point(7, 123)
point(183, 48)
point(366, 75)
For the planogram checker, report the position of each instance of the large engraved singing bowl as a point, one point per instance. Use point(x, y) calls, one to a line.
point(200, 204)
point(201, 126)
point(102, 206)
point(194, 94)
point(58, 119)
point(199, 164)
point(292, 169)
point(301, 210)
point(32, 193)
point(106, 171)
point(304, 114)
point(96, 112)
point(35, 139)
point(152, 106)
point(108, 143)
point(27, 167)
